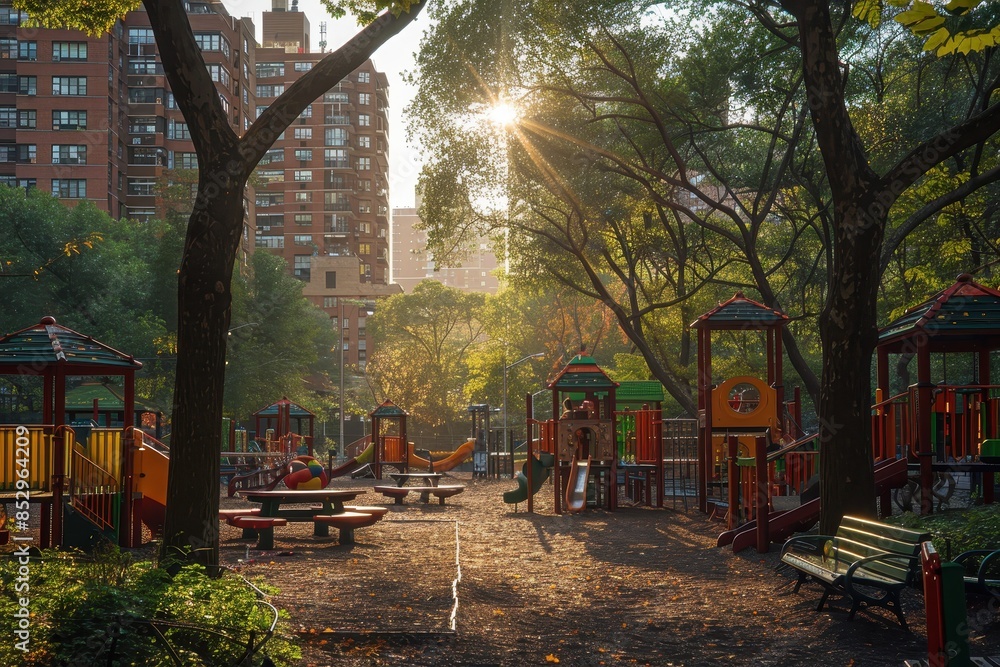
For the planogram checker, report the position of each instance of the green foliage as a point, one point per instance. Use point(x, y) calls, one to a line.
point(80, 609)
point(278, 338)
point(367, 11)
point(958, 26)
point(973, 528)
point(93, 18)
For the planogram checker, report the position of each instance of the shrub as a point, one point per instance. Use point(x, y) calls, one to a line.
point(961, 529)
point(88, 612)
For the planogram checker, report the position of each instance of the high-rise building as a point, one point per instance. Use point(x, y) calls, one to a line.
point(322, 198)
point(412, 263)
point(94, 119)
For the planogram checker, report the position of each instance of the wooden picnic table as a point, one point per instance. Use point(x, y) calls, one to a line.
point(331, 502)
point(401, 478)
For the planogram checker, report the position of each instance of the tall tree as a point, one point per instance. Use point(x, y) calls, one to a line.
point(226, 161)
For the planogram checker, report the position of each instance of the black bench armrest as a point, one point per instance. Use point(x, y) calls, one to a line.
point(809, 543)
point(986, 558)
point(910, 561)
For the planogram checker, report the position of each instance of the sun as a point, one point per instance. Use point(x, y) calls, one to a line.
point(504, 114)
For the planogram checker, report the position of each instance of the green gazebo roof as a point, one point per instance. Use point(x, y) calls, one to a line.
point(294, 410)
point(740, 312)
point(388, 409)
point(966, 311)
point(582, 374)
point(48, 343)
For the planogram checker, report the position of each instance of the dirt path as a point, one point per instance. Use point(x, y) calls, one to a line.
point(639, 586)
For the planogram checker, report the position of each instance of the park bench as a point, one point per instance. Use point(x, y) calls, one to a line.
point(982, 570)
point(868, 561)
point(441, 492)
point(264, 525)
point(346, 522)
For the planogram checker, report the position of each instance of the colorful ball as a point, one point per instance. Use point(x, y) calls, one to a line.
point(306, 473)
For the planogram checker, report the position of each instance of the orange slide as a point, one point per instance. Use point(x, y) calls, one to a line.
point(463, 452)
point(151, 467)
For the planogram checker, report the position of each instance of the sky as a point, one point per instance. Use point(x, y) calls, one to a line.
point(395, 59)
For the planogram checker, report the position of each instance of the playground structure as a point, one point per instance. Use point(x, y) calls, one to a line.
point(582, 433)
point(83, 487)
point(391, 447)
point(491, 457)
point(286, 428)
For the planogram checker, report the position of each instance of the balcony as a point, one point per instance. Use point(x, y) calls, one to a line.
point(341, 183)
point(336, 231)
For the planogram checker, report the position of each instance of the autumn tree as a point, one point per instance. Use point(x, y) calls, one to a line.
point(226, 161)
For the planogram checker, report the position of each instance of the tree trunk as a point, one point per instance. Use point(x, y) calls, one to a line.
point(849, 334)
point(204, 308)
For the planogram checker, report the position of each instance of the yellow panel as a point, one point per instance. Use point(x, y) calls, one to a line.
point(744, 402)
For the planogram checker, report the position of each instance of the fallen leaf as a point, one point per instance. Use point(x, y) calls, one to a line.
point(552, 658)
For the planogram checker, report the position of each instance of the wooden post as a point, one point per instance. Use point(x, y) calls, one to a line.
point(761, 499)
point(734, 480)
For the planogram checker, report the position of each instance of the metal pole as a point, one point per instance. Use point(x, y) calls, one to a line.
point(340, 343)
point(503, 445)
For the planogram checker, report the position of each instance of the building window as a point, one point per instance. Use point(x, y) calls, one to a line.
point(27, 85)
point(303, 218)
point(331, 283)
point(176, 130)
point(144, 66)
point(337, 97)
point(267, 220)
point(304, 154)
point(364, 98)
point(364, 120)
point(330, 301)
point(303, 239)
point(142, 187)
point(187, 161)
point(219, 74)
point(271, 175)
point(9, 82)
point(273, 155)
point(28, 51)
point(69, 120)
point(69, 51)
point(364, 141)
point(364, 248)
point(303, 67)
point(307, 112)
point(69, 85)
point(69, 154)
point(303, 196)
point(142, 125)
point(267, 199)
point(8, 116)
point(141, 36)
point(147, 156)
point(212, 41)
point(364, 77)
point(335, 158)
point(270, 242)
point(69, 188)
point(300, 266)
point(303, 133)
point(336, 136)
point(270, 90)
point(303, 175)
point(27, 119)
point(364, 206)
point(27, 153)
point(145, 95)
point(364, 163)
point(270, 70)
point(10, 16)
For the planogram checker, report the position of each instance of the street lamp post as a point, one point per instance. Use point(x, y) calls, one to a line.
point(536, 355)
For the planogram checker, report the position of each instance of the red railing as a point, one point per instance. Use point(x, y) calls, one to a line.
point(94, 492)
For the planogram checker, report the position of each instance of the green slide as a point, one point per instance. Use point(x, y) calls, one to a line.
point(540, 468)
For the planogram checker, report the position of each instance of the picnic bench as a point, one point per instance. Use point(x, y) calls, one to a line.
point(868, 561)
point(346, 522)
point(441, 491)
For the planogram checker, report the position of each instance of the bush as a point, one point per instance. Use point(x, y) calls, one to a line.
point(961, 529)
point(95, 612)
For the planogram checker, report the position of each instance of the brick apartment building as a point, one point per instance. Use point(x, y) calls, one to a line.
point(94, 119)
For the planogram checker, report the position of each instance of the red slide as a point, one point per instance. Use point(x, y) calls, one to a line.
point(781, 525)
